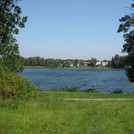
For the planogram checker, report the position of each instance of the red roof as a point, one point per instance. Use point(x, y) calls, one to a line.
point(86, 62)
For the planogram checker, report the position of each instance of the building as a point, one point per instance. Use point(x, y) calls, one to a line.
point(98, 63)
point(86, 64)
point(71, 65)
point(102, 63)
point(78, 65)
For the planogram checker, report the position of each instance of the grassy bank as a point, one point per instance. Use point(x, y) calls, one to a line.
point(48, 113)
point(79, 94)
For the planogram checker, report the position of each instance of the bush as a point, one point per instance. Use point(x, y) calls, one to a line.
point(71, 89)
point(91, 90)
point(117, 91)
point(14, 86)
point(53, 90)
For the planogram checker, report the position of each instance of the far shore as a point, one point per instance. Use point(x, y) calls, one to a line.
point(64, 67)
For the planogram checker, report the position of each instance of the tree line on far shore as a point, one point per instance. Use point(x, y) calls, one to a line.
point(116, 62)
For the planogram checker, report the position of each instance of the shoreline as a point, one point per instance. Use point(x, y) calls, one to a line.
point(67, 67)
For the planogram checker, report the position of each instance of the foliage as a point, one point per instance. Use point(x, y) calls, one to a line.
point(14, 86)
point(76, 62)
point(38, 61)
point(109, 63)
point(127, 26)
point(71, 89)
point(119, 61)
point(93, 62)
point(11, 84)
point(130, 68)
point(117, 91)
point(91, 90)
point(10, 21)
point(116, 62)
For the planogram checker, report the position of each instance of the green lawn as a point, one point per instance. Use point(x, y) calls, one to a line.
point(50, 114)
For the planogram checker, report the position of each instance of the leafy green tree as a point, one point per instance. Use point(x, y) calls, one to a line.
point(42, 62)
point(119, 61)
point(10, 21)
point(76, 61)
point(93, 62)
point(63, 63)
point(34, 61)
point(81, 63)
point(109, 63)
point(115, 61)
point(127, 26)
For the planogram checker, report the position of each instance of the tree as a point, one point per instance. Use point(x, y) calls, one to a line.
point(93, 62)
point(118, 61)
point(127, 26)
point(10, 21)
point(115, 61)
point(76, 61)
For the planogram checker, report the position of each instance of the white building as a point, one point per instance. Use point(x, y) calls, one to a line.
point(102, 63)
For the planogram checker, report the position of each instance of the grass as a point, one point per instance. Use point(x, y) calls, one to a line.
point(79, 94)
point(50, 114)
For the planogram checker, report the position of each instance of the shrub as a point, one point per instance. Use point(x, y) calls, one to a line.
point(53, 90)
point(91, 90)
point(117, 91)
point(71, 89)
point(14, 86)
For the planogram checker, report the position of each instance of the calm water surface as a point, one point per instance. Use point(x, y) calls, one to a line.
point(105, 80)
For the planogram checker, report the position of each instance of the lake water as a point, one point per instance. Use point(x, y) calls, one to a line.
point(106, 80)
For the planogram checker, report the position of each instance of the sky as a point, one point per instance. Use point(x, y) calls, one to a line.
point(72, 29)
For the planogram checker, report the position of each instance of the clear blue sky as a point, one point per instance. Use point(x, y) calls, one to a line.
point(70, 29)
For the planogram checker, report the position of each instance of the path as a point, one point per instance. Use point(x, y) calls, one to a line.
point(107, 99)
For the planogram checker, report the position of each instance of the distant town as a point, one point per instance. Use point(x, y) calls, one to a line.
point(115, 62)
point(81, 63)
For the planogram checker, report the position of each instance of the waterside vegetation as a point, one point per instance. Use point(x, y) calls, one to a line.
point(36, 62)
point(13, 85)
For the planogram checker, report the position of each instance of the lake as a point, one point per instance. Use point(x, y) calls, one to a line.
point(106, 80)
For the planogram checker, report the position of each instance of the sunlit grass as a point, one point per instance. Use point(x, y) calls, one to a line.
point(50, 114)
